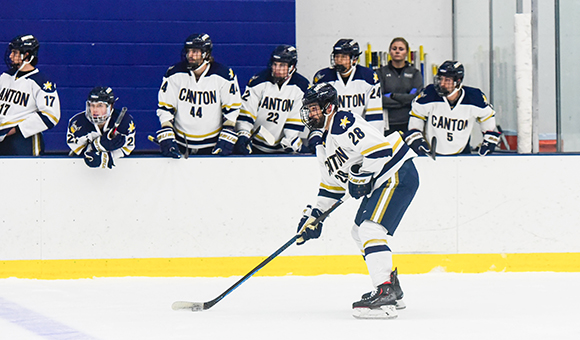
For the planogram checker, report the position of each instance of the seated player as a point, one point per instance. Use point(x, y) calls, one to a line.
point(100, 134)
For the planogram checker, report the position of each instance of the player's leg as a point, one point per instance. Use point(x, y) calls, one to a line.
point(380, 215)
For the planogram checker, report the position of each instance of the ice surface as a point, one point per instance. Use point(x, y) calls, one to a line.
point(439, 306)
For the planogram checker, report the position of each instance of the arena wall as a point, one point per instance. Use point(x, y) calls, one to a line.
point(214, 216)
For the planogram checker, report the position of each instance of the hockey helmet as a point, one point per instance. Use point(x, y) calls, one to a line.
point(284, 54)
point(100, 95)
point(348, 47)
point(322, 94)
point(449, 69)
point(200, 41)
point(24, 44)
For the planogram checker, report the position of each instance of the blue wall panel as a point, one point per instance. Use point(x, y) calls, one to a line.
point(129, 44)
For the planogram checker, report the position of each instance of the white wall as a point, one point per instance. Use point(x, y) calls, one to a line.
point(319, 24)
point(57, 208)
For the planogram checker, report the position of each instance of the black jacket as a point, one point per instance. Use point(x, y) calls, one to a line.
point(400, 86)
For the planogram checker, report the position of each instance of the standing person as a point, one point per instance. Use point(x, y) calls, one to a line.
point(447, 110)
point(400, 83)
point(29, 103)
point(91, 133)
point(358, 87)
point(272, 101)
point(356, 157)
point(199, 103)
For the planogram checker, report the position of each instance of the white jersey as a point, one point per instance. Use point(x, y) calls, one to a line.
point(199, 107)
point(352, 140)
point(29, 101)
point(432, 115)
point(361, 94)
point(274, 108)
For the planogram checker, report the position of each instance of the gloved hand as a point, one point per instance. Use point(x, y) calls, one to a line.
point(167, 143)
point(314, 139)
point(244, 144)
point(104, 144)
point(226, 141)
point(490, 141)
point(359, 183)
point(413, 90)
point(306, 230)
point(388, 95)
point(96, 159)
point(414, 138)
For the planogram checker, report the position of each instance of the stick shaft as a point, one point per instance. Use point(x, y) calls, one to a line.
point(209, 304)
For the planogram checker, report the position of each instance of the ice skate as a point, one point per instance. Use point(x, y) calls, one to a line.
point(378, 304)
point(396, 288)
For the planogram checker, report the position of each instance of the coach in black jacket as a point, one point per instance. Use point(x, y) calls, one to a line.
point(400, 83)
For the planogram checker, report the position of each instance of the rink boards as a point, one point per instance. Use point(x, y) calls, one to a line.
point(211, 216)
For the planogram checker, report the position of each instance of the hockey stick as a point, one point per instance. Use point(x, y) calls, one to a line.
point(267, 135)
point(113, 132)
point(200, 306)
point(433, 151)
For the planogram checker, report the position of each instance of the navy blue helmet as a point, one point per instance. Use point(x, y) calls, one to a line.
point(24, 44)
point(450, 69)
point(322, 94)
point(200, 41)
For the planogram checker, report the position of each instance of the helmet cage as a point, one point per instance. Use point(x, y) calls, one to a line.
point(347, 47)
point(200, 42)
point(103, 95)
point(449, 69)
point(322, 94)
point(283, 54)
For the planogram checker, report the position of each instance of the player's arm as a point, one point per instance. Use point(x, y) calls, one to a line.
point(128, 130)
point(48, 111)
point(167, 101)
point(231, 99)
point(231, 103)
point(249, 109)
point(486, 119)
point(76, 139)
point(291, 141)
point(374, 106)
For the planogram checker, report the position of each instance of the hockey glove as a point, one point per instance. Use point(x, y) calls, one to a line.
point(359, 183)
point(306, 230)
point(226, 142)
point(95, 159)
point(490, 141)
point(414, 138)
point(167, 143)
point(244, 144)
point(104, 144)
point(314, 139)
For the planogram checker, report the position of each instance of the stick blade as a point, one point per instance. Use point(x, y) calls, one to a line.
point(268, 136)
point(186, 305)
point(433, 153)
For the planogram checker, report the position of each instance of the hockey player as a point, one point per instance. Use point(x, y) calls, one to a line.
point(447, 110)
point(29, 103)
point(199, 103)
point(272, 101)
point(92, 133)
point(358, 87)
point(357, 158)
